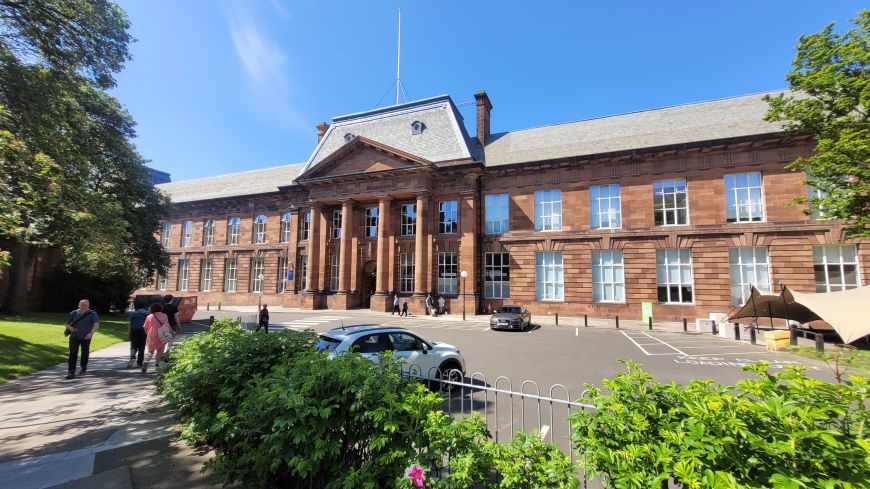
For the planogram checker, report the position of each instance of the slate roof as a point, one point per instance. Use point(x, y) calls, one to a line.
point(251, 182)
point(443, 139)
point(704, 121)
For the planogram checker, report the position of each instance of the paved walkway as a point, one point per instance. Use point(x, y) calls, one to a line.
point(53, 430)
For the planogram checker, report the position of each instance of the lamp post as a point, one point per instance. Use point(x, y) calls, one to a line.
point(464, 275)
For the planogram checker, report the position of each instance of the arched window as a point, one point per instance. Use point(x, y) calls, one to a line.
point(417, 127)
point(233, 230)
point(260, 229)
point(285, 227)
point(208, 232)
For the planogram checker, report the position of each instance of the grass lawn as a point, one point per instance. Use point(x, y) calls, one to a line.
point(850, 361)
point(34, 342)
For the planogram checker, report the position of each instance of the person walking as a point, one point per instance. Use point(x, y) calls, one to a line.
point(396, 305)
point(137, 333)
point(430, 304)
point(81, 326)
point(263, 321)
point(171, 311)
point(441, 303)
point(154, 344)
point(404, 308)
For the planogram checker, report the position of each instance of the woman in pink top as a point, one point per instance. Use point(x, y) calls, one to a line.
point(152, 342)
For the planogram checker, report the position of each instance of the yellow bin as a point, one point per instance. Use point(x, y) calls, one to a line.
point(776, 340)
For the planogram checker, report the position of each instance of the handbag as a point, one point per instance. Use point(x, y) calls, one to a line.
point(66, 330)
point(164, 332)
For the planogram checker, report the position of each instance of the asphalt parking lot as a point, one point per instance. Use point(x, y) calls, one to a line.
point(569, 356)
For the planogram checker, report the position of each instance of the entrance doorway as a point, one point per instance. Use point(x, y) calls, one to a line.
point(369, 282)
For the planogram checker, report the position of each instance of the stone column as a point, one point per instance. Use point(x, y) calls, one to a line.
point(313, 249)
point(293, 251)
point(420, 261)
point(384, 243)
point(323, 216)
point(344, 247)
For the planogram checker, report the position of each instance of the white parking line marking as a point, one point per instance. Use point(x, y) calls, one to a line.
point(635, 343)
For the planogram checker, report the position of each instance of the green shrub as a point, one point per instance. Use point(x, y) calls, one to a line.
point(210, 372)
point(782, 430)
point(324, 423)
point(474, 460)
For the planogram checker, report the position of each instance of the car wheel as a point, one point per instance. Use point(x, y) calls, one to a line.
point(450, 371)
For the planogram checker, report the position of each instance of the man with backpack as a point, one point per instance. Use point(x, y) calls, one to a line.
point(81, 325)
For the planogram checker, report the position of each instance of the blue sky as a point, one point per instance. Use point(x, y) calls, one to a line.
point(225, 86)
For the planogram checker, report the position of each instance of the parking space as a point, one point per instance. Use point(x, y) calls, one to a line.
point(704, 350)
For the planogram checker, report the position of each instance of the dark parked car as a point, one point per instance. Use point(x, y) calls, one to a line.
point(511, 317)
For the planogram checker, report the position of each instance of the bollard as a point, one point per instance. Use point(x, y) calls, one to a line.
point(820, 342)
point(617, 322)
point(585, 320)
point(557, 319)
point(752, 338)
point(650, 323)
point(219, 306)
point(208, 306)
point(792, 340)
point(736, 331)
point(685, 326)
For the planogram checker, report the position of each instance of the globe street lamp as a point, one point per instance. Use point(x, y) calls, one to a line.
point(464, 275)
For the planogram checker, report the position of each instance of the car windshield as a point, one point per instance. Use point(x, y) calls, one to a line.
point(327, 344)
point(508, 310)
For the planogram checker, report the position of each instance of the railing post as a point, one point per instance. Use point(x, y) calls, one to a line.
point(820, 342)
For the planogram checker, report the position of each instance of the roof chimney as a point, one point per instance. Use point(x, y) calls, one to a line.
point(321, 130)
point(484, 106)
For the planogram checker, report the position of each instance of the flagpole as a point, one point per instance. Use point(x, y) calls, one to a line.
point(399, 60)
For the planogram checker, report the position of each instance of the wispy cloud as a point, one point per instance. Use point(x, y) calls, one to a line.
point(268, 66)
point(278, 5)
point(263, 59)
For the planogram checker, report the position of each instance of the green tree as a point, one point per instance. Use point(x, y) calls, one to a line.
point(831, 93)
point(69, 142)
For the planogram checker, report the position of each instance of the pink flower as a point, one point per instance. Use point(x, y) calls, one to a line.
point(416, 475)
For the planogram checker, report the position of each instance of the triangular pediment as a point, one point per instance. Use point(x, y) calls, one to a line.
point(362, 156)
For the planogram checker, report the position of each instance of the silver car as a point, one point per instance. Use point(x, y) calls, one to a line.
point(428, 359)
point(511, 317)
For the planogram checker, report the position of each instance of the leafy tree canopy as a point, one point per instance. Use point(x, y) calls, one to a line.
point(830, 100)
point(71, 176)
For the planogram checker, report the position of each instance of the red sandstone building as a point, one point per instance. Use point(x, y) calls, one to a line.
point(682, 207)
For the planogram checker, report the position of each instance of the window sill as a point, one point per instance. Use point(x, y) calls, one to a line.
point(609, 302)
point(549, 300)
point(675, 303)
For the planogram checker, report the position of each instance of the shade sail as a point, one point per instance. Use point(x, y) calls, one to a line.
point(766, 304)
point(848, 312)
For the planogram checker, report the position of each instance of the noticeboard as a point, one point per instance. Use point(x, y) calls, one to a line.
point(646, 310)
